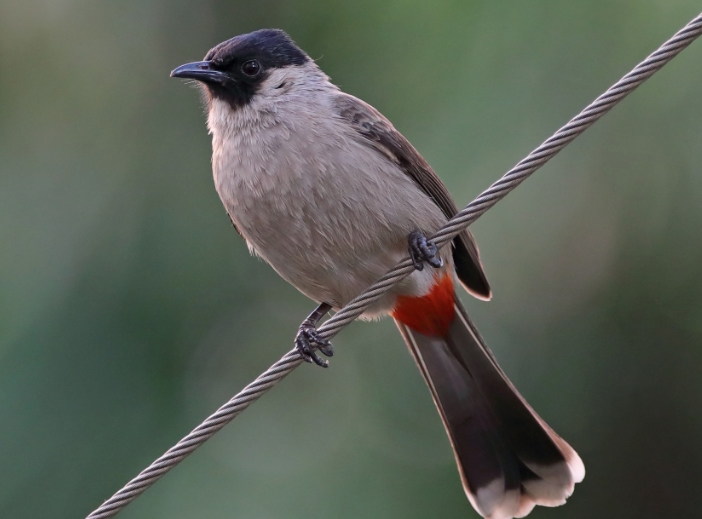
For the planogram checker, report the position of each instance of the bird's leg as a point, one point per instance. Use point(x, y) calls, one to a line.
point(422, 250)
point(308, 339)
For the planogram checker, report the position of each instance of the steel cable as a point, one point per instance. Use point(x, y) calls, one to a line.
point(351, 311)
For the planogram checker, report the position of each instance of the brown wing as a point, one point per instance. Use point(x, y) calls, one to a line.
point(381, 135)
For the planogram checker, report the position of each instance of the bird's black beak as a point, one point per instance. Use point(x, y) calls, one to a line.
point(201, 71)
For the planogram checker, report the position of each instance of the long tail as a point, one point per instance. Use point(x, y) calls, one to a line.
point(509, 459)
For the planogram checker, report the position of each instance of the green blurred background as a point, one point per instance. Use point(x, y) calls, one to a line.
point(130, 309)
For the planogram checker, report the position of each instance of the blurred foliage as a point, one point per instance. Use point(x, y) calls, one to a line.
point(130, 309)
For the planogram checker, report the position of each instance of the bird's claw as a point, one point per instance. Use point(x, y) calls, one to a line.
point(308, 340)
point(423, 251)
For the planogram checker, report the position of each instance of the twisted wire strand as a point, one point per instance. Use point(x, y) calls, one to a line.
point(496, 192)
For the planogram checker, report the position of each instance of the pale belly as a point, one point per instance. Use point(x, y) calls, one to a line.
point(330, 228)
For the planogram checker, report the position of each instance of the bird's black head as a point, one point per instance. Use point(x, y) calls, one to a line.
point(235, 69)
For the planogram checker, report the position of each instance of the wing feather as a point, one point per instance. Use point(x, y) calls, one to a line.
point(379, 133)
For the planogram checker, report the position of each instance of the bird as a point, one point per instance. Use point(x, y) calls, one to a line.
point(324, 188)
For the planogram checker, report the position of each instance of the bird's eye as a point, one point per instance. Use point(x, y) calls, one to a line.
point(251, 68)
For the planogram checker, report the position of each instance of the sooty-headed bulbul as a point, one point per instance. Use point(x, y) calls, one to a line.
point(331, 195)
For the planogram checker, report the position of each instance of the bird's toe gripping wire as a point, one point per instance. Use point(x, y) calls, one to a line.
point(423, 251)
point(308, 339)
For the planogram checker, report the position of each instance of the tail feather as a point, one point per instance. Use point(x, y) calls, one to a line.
point(509, 459)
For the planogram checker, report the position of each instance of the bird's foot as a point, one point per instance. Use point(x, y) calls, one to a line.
point(308, 338)
point(423, 251)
